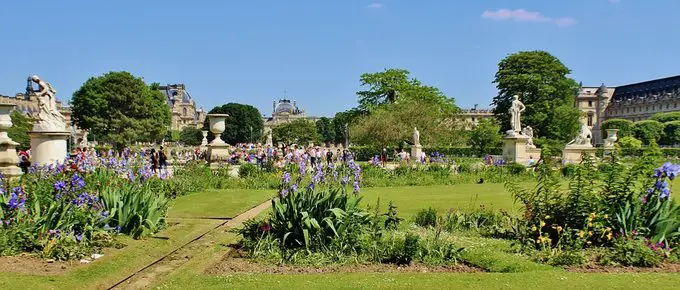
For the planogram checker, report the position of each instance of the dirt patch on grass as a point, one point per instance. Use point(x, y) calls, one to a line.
point(594, 268)
point(235, 262)
point(26, 264)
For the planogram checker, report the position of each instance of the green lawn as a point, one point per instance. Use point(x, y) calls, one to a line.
point(410, 200)
point(225, 203)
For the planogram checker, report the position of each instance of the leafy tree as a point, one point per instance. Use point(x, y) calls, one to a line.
point(625, 127)
point(191, 136)
point(541, 81)
point(244, 124)
point(343, 119)
point(485, 135)
point(671, 133)
point(648, 131)
point(299, 132)
point(21, 125)
point(172, 135)
point(326, 130)
point(393, 124)
point(629, 142)
point(384, 87)
point(666, 117)
point(120, 108)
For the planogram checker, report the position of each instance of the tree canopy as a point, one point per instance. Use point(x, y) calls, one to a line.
point(120, 108)
point(395, 104)
point(21, 125)
point(300, 132)
point(666, 117)
point(541, 81)
point(485, 135)
point(326, 130)
point(244, 124)
point(191, 136)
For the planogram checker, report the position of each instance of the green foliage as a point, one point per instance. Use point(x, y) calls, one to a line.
point(631, 252)
point(299, 132)
point(484, 136)
point(389, 122)
point(629, 142)
point(243, 125)
point(326, 131)
point(343, 119)
point(541, 81)
point(172, 135)
point(120, 108)
point(426, 217)
point(191, 136)
point(625, 127)
point(516, 168)
point(21, 125)
point(666, 117)
point(365, 153)
point(648, 131)
point(247, 170)
point(671, 133)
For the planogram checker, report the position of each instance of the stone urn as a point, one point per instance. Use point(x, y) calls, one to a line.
point(8, 152)
point(217, 126)
point(611, 137)
point(205, 138)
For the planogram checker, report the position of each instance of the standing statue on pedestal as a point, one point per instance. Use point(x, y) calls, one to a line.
point(516, 109)
point(529, 132)
point(49, 118)
point(416, 136)
point(84, 143)
point(269, 138)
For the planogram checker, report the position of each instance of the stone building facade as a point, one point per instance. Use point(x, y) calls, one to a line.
point(183, 107)
point(471, 117)
point(635, 102)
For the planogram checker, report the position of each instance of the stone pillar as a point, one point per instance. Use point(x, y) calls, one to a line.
point(218, 150)
point(48, 147)
point(8, 152)
point(416, 151)
point(514, 148)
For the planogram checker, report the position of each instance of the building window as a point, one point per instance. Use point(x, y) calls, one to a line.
point(627, 110)
point(667, 106)
point(675, 106)
point(473, 119)
point(590, 103)
point(590, 120)
point(184, 111)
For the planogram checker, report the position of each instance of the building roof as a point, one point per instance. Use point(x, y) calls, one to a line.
point(647, 88)
point(285, 106)
point(177, 91)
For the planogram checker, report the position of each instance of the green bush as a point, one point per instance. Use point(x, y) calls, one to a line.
point(569, 170)
point(648, 131)
point(625, 127)
point(426, 217)
point(630, 252)
point(247, 170)
point(365, 153)
point(516, 168)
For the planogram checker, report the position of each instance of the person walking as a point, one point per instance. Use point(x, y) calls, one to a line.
point(162, 159)
point(383, 157)
point(154, 160)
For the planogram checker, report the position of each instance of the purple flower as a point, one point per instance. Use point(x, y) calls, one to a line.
point(286, 178)
point(284, 192)
point(79, 237)
point(344, 180)
point(310, 186)
point(60, 185)
point(665, 193)
point(77, 181)
point(294, 187)
point(356, 186)
point(13, 201)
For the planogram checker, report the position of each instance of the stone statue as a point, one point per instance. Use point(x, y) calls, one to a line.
point(49, 118)
point(515, 111)
point(269, 137)
point(583, 138)
point(529, 132)
point(84, 142)
point(416, 136)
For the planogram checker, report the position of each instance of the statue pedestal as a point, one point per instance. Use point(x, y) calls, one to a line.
point(515, 149)
point(48, 147)
point(572, 154)
point(218, 152)
point(8, 148)
point(416, 151)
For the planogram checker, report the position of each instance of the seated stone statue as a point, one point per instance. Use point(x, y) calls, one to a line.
point(583, 138)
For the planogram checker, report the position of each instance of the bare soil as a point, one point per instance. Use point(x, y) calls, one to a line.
point(594, 268)
point(235, 262)
point(33, 265)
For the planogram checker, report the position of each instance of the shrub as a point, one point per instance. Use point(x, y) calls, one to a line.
point(631, 252)
point(625, 127)
point(666, 117)
point(569, 170)
point(247, 170)
point(516, 168)
point(671, 133)
point(426, 217)
point(648, 131)
point(629, 143)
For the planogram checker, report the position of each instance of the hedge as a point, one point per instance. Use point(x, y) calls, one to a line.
point(365, 153)
point(673, 152)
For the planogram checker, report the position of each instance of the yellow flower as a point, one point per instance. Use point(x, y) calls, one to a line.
point(542, 224)
point(609, 236)
point(606, 216)
point(533, 228)
point(593, 215)
point(607, 229)
point(590, 233)
point(580, 234)
point(539, 239)
point(590, 225)
point(559, 229)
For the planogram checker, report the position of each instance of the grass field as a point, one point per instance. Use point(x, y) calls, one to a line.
point(410, 200)
point(217, 203)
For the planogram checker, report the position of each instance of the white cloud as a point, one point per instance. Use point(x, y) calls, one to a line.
point(375, 5)
point(523, 15)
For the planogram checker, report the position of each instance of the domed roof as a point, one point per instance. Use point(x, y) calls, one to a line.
point(285, 106)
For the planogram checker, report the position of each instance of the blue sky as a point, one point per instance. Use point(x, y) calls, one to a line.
point(251, 51)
